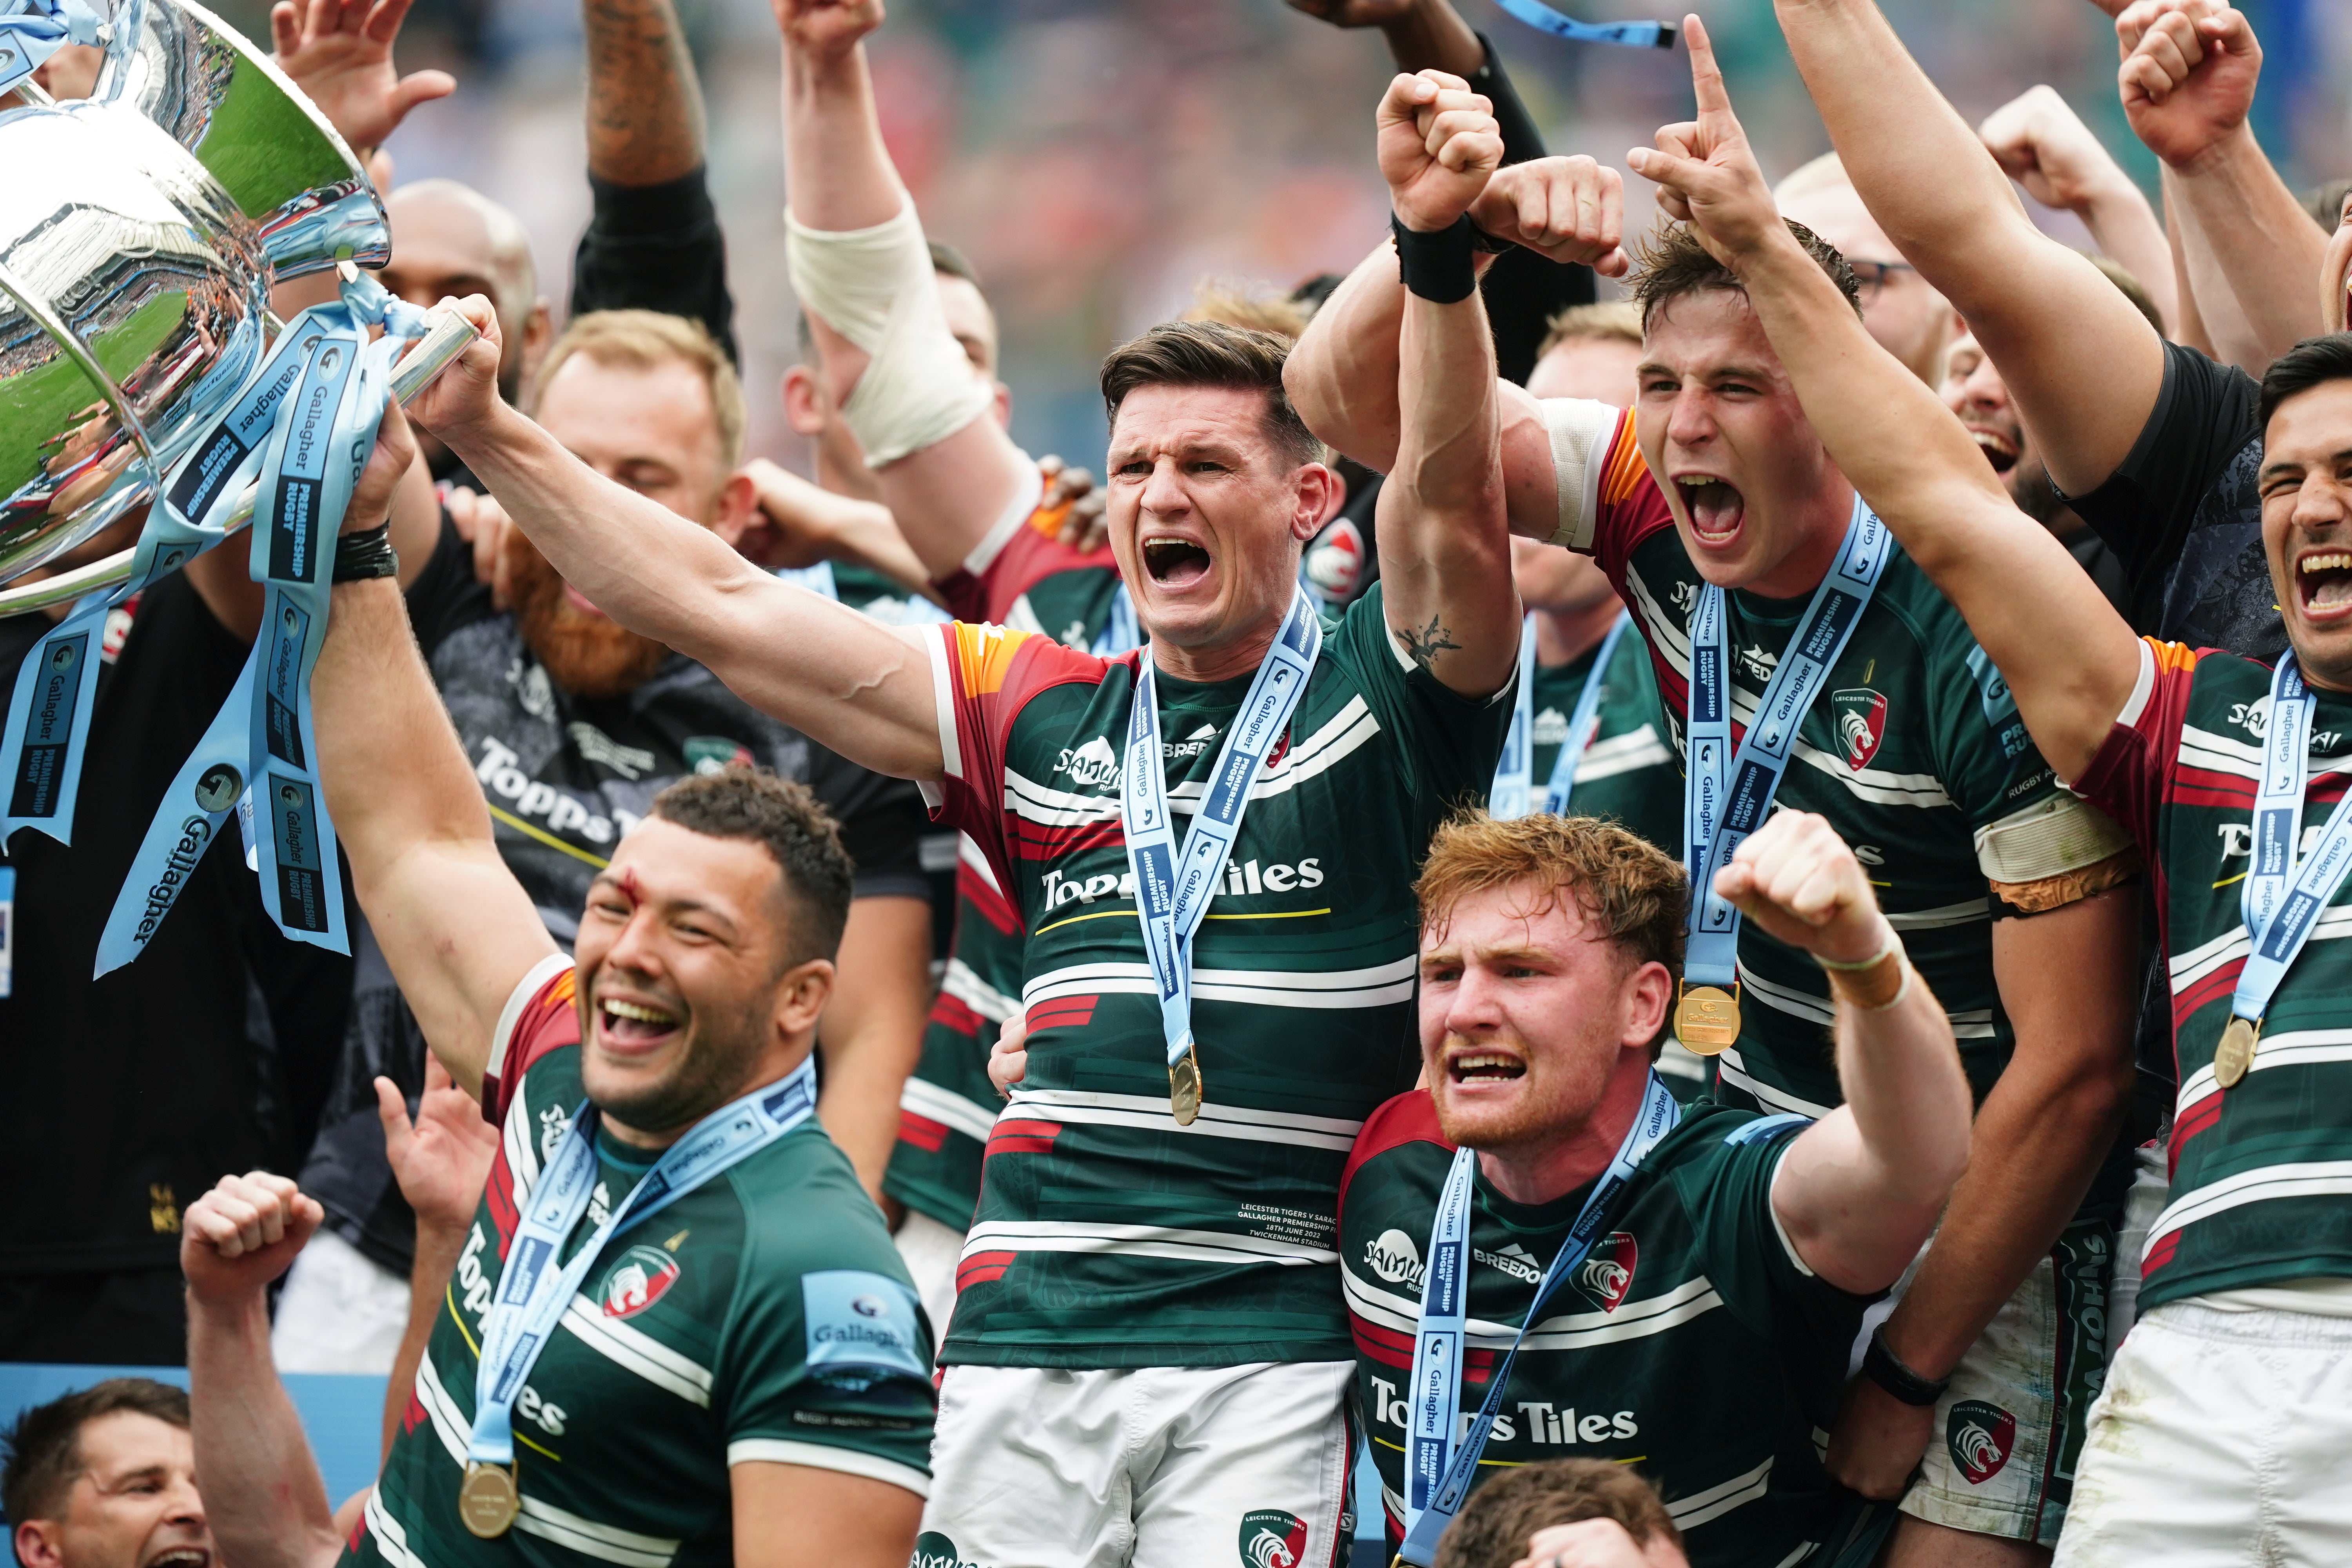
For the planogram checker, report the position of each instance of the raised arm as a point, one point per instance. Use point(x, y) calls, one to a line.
point(1344, 374)
point(2188, 79)
point(1862, 1188)
point(644, 105)
point(2039, 142)
point(1445, 550)
point(948, 470)
point(456, 928)
point(2083, 364)
point(847, 683)
point(2069, 659)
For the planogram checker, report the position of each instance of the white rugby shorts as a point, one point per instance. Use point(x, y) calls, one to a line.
point(2221, 1438)
point(1159, 1467)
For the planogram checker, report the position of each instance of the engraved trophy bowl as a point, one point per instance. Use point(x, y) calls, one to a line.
point(141, 230)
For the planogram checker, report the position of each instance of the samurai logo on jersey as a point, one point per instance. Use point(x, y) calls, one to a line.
point(638, 1277)
point(1394, 1256)
point(1272, 1539)
point(1980, 1435)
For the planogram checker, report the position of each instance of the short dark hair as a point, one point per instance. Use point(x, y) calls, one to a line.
point(2328, 357)
point(1492, 1528)
point(1211, 353)
point(45, 1444)
point(801, 836)
point(1671, 262)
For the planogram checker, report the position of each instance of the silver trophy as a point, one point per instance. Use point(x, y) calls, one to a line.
point(141, 230)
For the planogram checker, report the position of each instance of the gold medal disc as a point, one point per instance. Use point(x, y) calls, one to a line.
point(1184, 1087)
point(1707, 1020)
point(2235, 1054)
point(488, 1501)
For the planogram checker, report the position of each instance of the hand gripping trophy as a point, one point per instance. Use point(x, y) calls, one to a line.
point(140, 231)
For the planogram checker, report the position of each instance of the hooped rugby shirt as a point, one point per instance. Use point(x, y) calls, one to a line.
point(1020, 575)
point(1692, 1344)
point(709, 1334)
point(1106, 1235)
point(2262, 1175)
point(1627, 775)
point(1913, 750)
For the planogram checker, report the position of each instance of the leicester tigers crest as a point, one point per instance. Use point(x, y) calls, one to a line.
point(1859, 714)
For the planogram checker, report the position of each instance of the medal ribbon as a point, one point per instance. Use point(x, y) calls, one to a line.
point(1172, 894)
point(2282, 897)
point(534, 1292)
point(1632, 35)
point(1513, 794)
point(1715, 820)
point(1119, 631)
point(1438, 1472)
point(309, 433)
point(33, 30)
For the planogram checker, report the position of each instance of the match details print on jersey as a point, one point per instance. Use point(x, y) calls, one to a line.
point(1106, 1235)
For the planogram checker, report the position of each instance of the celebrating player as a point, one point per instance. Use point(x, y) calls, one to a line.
point(676, 1326)
point(2232, 1389)
point(1764, 587)
point(1618, 1283)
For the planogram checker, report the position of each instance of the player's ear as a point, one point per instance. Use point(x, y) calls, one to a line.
point(1648, 989)
point(803, 402)
point(1321, 492)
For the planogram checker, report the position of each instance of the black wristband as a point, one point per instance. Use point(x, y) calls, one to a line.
point(1438, 266)
point(1883, 1368)
point(359, 556)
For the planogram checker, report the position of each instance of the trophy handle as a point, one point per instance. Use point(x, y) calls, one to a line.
point(443, 341)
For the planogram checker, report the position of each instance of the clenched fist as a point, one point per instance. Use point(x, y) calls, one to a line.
point(1439, 144)
point(1795, 878)
point(242, 1235)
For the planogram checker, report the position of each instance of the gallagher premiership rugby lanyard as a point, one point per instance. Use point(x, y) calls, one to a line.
point(2281, 900)
point(307, 422)
point(1513, 794)
point(1632, 35)
point(1715, 821)
point(1172, 894)
point(1438, 1473)
point(33, 30)
point(534, 1292)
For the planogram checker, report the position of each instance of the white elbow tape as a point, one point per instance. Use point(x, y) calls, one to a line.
point(876, 288)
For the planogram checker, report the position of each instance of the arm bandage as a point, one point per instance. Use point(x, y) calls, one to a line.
point(876, 287)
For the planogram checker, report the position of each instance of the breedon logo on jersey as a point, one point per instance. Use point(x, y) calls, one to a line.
point(1980, 1435)
point(1607, 1270)
point(642, 1276)
point(1860, 722)
point(1272, 1539)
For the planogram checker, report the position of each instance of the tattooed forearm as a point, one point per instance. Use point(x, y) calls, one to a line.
point(1424, 646)
point(644, 106)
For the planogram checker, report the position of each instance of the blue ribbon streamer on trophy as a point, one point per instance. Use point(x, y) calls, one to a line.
point(321, 428)
point(1632, 35)
point(33, 30)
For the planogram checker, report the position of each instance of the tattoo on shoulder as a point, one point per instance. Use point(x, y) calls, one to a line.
point(1423, 646)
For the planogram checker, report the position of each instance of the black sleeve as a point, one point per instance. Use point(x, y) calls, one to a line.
point(1523, 291)
point(882, 825)
point(446, 594)
point(2205, 414)
point(655, 248)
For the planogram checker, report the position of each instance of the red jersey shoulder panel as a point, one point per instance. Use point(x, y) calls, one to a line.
point(1410, 1118)
point(1631, 504)
point(547, 1022)
point(1032, 553)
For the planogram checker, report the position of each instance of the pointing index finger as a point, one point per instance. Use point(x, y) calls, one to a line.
point(1706, 78)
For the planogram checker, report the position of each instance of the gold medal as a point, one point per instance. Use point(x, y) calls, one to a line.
point(488, 1501)
point(1707, 1019)
point(2235, 1054)
point(1184, 1087)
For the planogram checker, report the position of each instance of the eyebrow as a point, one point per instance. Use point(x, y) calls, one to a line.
point(2269, 470)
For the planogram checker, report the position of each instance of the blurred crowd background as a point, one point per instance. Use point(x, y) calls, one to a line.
point(1097, 159)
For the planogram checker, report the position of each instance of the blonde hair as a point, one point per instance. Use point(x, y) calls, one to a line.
point(1634, 892)
point(1611, 321)
point(645, 340)
point(1246, 305)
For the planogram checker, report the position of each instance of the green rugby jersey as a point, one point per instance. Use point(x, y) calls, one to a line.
point(1692, 1342)
point(2259, 1172)
point(1913, 750)
point(764, 1316)
point(1106, 1235)
point(1627, 774)
point(1022, 576)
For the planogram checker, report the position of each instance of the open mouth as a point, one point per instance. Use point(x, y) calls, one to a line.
point(2323, 582)
point(633, 1026)
point(1483, 1067)
point(179, 1557)
point(1998, 449)
point(1715, 506)
point(1174, 563)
